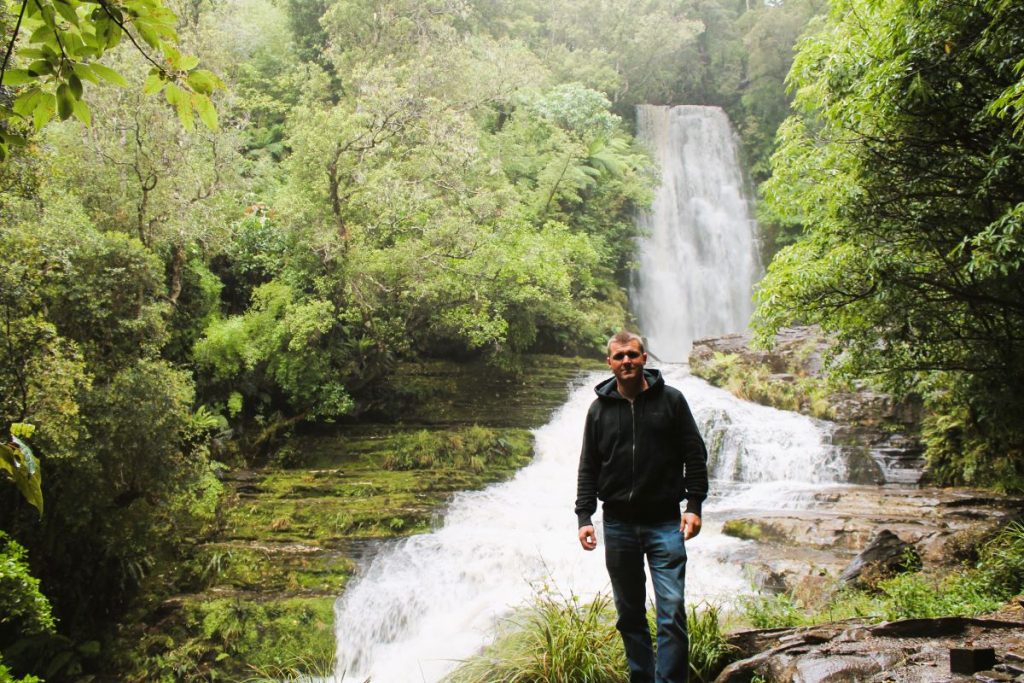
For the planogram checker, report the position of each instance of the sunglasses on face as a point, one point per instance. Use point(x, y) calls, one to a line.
point(632, 355)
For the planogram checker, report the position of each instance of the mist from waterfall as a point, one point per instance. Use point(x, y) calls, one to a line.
point(427, 602)
point(698, 258)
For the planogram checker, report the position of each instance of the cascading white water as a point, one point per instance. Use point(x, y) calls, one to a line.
point(698, 260)
point(431, 600)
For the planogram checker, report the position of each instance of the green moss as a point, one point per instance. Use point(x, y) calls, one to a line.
point(257, 595)
point(228, 638)
point(743, 528)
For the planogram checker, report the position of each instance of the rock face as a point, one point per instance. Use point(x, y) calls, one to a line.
point(801, 551)
point(886, 554)
point(877, 434)
point(914, 650)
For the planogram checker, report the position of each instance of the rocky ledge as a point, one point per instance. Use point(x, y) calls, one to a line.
point(910, 651)
point(847, 530)
point(803, 552)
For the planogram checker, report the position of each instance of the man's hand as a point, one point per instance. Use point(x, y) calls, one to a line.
point(588, 539)
point(689, 526)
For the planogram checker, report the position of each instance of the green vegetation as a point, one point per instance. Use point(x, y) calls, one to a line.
point(61, 46)
point(396, 184)
point(752, 381)
point(745, 529)
point(901, 164)
point(983, 586)
point(559, 638)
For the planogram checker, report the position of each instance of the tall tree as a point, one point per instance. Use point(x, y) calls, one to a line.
point(904, 163)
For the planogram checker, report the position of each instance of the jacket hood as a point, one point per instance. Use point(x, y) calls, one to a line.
point(606, 389)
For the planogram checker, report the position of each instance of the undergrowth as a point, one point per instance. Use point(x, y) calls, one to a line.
point(560, 639)
point(797, 392)
point(985, 586)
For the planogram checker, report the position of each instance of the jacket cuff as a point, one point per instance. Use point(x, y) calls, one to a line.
point(584, 520)
point(693, 506)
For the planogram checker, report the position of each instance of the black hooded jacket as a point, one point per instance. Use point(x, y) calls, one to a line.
point(641, 458)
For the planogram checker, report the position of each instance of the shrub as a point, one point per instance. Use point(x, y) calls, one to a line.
point(555, 640)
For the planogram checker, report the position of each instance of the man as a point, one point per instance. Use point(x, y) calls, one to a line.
point(642, 455)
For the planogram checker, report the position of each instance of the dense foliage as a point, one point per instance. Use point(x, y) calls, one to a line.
point(902, 162)
point(380, 180)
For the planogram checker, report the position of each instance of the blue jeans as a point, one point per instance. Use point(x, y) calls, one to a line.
point(626, 544)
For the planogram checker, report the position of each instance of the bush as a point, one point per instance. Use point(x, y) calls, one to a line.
point(24, 609)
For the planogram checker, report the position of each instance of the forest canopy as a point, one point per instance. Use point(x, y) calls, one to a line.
point(902, 162)
point(379, 181)
point(373, 182)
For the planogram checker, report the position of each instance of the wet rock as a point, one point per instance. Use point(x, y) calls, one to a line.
point(911, 650)
point(885, 555)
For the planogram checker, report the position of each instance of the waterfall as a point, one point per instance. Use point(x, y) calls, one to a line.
point(428, 601)
point(698, 260)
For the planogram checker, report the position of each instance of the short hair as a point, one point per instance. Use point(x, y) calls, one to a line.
point(625, 337)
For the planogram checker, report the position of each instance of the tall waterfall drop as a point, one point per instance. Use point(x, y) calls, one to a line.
point(427, 602)
point(698, 261)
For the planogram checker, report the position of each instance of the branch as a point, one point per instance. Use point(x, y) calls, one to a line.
point(14, 36)
point(121, 24)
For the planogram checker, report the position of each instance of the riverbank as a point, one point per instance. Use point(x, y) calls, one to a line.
point(255, 599)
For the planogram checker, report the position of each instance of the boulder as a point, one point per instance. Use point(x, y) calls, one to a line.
point(885, 555)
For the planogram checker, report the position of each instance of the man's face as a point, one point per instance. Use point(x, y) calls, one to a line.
point(626, 361)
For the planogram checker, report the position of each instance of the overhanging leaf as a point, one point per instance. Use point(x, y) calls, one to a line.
point(20, 466)
point(207, 112)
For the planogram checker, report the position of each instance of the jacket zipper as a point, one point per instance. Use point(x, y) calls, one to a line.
point(632, 480)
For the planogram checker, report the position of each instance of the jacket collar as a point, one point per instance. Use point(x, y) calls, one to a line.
point(607, 388)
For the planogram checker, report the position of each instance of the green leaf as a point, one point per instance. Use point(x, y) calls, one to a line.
point(65, 102)
point(113, 35)
point(44, 35)
point(16, 77)
point(188, 62)
point(154, 83)
point(23, 430)
point(85, 72)
point(66, 10)
point(207, 112)
point(148, 33)
point(26, 102)
point(203, 81)
point(182, 103)
point(44, 110)
point(75, 85)
point(109, 75)
point(21, 467)
point(49, 15)
point(82, 113)
point(40, 68)
point(172, 55)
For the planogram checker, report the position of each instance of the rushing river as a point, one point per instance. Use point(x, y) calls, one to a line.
point(427, 602)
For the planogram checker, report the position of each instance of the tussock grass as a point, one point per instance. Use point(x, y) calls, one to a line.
point(560, 639)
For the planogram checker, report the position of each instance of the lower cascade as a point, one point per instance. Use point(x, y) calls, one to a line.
point(428, 602)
